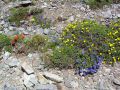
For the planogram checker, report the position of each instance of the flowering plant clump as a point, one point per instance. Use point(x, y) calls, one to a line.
point(91, 43)
point(113, 41)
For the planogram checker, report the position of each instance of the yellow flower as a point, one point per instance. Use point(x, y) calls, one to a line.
point(100, 53)
point(32, 19)
point(110, 62)
point(84, 41)
point(71, 44)
point(83, 28)
point(92, 45)
point(118, 38)
point(116, 32)
point(111, 45)
point(116, 24)
point(114, 59)
point(68, 40)
point(59, 51)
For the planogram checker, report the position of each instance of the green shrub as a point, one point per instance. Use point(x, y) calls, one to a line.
point(5, 42)
point(63, 57)
point(24, 13)
point(43, 22)
point(18, 14)
point(38, 42)
point(86, 41)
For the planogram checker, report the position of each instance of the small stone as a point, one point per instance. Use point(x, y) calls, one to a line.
point(116, 81)
point(7, 86)
point(53, 77)
point(46, 31)
point(74, 84)
point(6, 55)
point(46, 87)
point(11, 28)
point(26, 79)
point(82, 8)
point(12, 62)
point(42, 80)
point(71, 18)
point(30, 55)
point(21, 29)
point(28, 69)
point(2, 22)
point(70, 83)
point(118, 15)
point(44, 5)
point(29, 80)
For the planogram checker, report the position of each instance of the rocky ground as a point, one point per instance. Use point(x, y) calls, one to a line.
point(21, 72)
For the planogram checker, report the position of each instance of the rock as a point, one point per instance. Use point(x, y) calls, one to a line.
point(116, 81)
point(46, 31)
point(107, 14)
point(28, 69)
point(29, 80)
point(53, 77)
point(61, 86)
point(2, 22)
point(6, 55)
point(46, 87)
point(70, 83)
point(6, 25)
point(74, 84)
point(21, 29)
point(12, 62)
point(7, 86)
point(30, 55)
point(20, 3)
point(42, 80)
point(40, 31)
point(44, 5)
point(1, 28)
point(82, 9)
point(118, 15)
point(11, 28)
point(104, 84)
point(71, 18)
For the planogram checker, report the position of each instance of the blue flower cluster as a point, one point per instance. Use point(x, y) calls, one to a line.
point(91, 70)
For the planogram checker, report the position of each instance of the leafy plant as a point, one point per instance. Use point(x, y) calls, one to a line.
point(18, 14)
point(4, 42)
point(38, 42)
point(63, 57)
point(43, 22)
point(34, 15)
point(86, 44)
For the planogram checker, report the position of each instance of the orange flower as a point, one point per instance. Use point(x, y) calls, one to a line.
point(16, 37)
point(22, 36)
